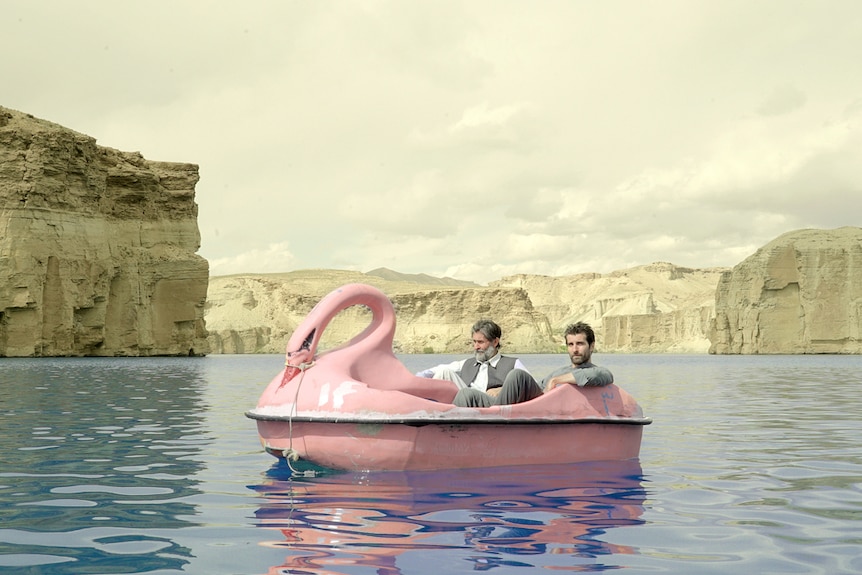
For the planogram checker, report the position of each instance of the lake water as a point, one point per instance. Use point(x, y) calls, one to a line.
point(752, 465)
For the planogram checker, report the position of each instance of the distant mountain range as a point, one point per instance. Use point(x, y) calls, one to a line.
point(424, 279)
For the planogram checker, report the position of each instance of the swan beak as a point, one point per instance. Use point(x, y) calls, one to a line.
point(290, 372)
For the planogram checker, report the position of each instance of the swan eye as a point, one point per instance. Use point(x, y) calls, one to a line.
point(306, 345)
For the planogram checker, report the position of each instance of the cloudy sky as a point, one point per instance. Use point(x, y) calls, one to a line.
point(471, 139)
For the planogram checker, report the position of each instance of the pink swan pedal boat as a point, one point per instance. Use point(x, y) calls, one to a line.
point(357, 407)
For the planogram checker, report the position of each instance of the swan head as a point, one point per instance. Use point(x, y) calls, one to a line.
point(298, 360)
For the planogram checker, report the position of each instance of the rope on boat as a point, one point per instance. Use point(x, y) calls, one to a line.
point(302, 366)
point(290, 454)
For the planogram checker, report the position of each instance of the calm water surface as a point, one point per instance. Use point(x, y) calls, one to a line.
point(753, 465)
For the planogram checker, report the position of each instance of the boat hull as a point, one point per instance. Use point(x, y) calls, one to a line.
point(377, 445)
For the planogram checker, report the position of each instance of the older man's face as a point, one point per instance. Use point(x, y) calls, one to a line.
point(483, 347)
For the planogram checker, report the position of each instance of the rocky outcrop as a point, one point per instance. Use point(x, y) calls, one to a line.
point(801, 293)
point(97, 248)
point(654, 308)
point(439, 321)
point(258, 313)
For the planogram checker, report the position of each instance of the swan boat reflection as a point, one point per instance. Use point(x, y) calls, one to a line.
point(357, 407)
point(552, 516)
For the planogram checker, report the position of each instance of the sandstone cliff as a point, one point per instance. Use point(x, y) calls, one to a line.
point(654, 308)
point(801, 293)
point(258, 313)
point(97, 248)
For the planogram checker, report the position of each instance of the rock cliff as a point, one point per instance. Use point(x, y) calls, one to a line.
point(258, 313)
point(800, 293)
point(97, 248)
point(654, 308)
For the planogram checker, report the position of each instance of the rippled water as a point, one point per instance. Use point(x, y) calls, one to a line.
point(753, 465)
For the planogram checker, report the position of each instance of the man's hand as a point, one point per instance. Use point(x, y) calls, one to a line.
point(558, 380)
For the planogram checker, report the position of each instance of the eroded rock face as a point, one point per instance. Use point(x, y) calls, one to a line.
point(801, 293)
point(655, 308)
point(97, 248)
point(258, 313)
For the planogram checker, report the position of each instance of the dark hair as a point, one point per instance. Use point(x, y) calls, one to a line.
point(581, 327)
point(488, 328)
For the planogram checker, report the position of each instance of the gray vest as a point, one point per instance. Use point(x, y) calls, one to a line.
point(496, 375)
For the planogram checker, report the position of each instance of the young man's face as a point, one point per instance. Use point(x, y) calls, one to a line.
point(578, 348)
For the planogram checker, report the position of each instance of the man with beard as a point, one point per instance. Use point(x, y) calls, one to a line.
point(488, 370)
point(580, 344)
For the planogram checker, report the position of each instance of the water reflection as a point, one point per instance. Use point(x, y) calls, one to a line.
point(556, 516)
point(98, 460)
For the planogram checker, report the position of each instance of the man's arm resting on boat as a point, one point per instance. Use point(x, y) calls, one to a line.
point(593, 376)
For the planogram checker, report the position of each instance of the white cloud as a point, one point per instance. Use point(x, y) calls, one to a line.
point(466, 139)
point(272, 258)
point(783, 100)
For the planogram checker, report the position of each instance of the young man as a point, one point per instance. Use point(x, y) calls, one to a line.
point(580, 344)
point(488, 369)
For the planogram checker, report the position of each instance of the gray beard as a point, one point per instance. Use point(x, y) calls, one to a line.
point(483, 356)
